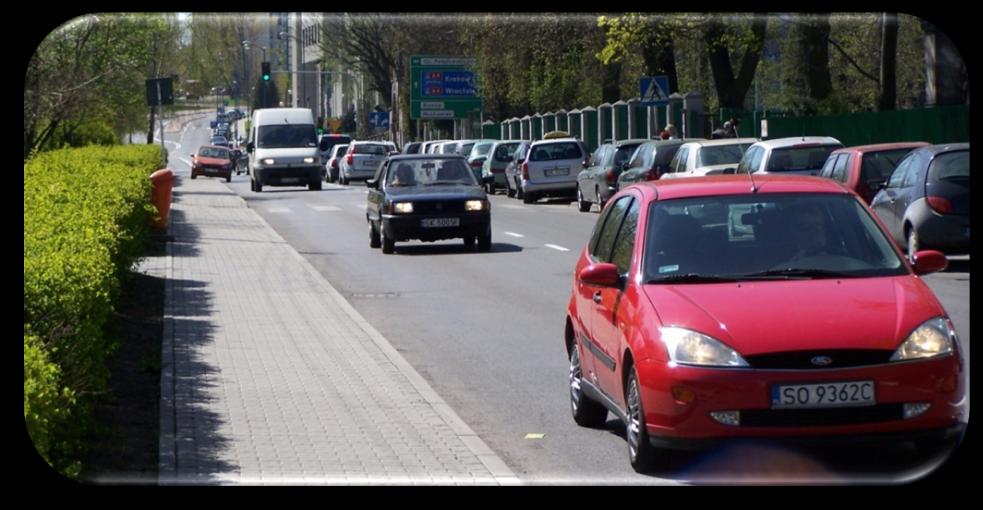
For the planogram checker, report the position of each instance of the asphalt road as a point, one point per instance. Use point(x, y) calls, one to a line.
point(486, 331)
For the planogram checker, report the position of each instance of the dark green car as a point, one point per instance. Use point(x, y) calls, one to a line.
point(650, 161)
point(596, 183)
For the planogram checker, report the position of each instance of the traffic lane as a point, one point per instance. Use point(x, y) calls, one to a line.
point(487, 335)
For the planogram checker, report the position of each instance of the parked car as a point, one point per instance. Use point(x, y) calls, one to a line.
point(428, 147)
point(597, 182)
point(493, 167)
point(333, 167)
point(670, 323)
point(220, 141)
point(800, 155)
point(866, 168)
point(551, 168)
point(463, 147)
point(328, 141)
point(412, 148)
point(513, 171)
point(213, 161)
point(427, 198)
point(393, 149)
point(476, 156)
point(361, 160)
point(649, 162)
point(926, 201)
point(708, 157)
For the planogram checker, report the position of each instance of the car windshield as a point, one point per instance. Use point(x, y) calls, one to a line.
point(481, 149)
point(952, 166)
point(878, 166)
point(430, 172)
point(556, 151)
point(213, 152)
point(339, 150)
point(772, 236)
point(721, 154)
point(795, 159)
point(287, 135)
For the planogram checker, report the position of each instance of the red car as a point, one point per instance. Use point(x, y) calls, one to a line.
point(866, 168)
point(212, 160)
point(709, 308)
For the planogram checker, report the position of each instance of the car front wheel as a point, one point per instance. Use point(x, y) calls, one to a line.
point(581, 203)
point(374, 240)
point(640, 452)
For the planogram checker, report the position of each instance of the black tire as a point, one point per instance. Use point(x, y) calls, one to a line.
point(528, 198)
point(484, 241)
point(315, 186)
point(194, 176)
point(258, 186)
point(374, 240)
point(641, 454)
point(469, 241)
point(518, 190)
point(342, 179)
point(582, 204)
point(509, 192)
point(586, 412)
point(388, 244)
point(490, 188)
point(228, 178)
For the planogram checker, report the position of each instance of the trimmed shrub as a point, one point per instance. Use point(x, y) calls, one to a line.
point(86, 216)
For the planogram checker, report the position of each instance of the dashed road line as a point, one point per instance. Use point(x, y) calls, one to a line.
point(558, 248)
point(325, 208)
point(513, 234)
point(279, 210)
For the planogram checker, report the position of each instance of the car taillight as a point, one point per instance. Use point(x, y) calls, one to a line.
point(525, 171)
point(478, 163)
point(334, 163)
point(609, 176)
point(939, 204)
point(349, 158)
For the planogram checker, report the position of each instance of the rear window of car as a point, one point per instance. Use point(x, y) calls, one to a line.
point(624, 152)
point(952, 166)
point(878, 166)
point(721, 155)
point(792, 159)
point(556, 151)
point(374, 149)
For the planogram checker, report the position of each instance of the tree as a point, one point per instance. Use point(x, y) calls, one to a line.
point(889, 63)
point(732, 90)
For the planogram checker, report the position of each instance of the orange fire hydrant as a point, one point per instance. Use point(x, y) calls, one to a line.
point(162, 183)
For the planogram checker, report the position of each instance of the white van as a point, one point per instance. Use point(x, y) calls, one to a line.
point(283, 149)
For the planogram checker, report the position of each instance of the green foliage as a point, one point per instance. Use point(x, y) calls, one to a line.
point(86, 217)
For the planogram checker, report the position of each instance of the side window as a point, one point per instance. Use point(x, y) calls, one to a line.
point(605, 242)
point(625, 244)
point(898, 177)
point(682, 157)
point(827, 170)
point(749, 163)
point(839, 168)
point(918, 162)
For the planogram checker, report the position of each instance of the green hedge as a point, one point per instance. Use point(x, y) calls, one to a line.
point(86, 217)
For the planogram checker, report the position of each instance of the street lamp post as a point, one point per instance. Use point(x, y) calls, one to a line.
point(299, 62)
point(248, 46)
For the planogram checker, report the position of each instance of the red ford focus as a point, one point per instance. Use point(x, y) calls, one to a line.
point(708, 309)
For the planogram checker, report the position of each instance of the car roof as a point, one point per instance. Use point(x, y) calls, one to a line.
point(401, 157)
point(945, 147)
point(780, 143)
point(366, 142)
point(554, 140)
point(692, 187)
point(722, 141)
point(881, 147)
point(630, 141)
point(213, 147)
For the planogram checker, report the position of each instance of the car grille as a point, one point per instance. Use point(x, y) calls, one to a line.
point(438, 207)
point(802, 360)
point(821, 417)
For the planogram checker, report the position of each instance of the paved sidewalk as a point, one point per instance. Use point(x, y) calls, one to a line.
point(270, 377)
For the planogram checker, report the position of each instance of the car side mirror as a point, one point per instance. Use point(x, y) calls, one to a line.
point(372, 183)
point(600, 275)
point(929, 261)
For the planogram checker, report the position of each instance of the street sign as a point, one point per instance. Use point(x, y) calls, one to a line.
point(654, 90)
point(166, 91)
point(379, 119)
point(443, 88)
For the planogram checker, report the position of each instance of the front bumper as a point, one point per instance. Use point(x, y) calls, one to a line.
point(288, 176)
point(404, 227)
point(940, 382)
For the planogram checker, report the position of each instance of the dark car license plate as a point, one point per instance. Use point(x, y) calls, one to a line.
point(440, 222)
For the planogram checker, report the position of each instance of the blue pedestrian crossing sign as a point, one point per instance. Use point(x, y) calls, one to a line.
point(654, 90)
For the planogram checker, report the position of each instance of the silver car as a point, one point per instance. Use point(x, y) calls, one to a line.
point(362, 160)
point(551, 169)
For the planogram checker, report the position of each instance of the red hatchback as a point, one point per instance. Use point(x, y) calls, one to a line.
point(710, 308)
point(212, 160)
point(866, 168)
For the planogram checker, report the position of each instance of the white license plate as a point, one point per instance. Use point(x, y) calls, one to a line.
point(440, 222)
point(287, 180)
point(557, 171)
point(837, 394)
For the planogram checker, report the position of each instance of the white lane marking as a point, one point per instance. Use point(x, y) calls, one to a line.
point(358, 206)
point(510, 206)
point(513, 234)
point(278, 210)
point(555, 247)
point(185, 161)
point(325, 208)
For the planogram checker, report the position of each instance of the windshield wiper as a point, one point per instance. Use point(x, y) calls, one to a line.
point(691, 278)
point(796, 272)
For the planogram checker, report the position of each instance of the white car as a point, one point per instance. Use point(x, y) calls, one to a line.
point(362, 160)
point(799, 155)
point(333, 166)
point(708, 157)
point(551, 168)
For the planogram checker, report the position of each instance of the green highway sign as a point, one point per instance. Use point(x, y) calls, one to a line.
point(443, 88)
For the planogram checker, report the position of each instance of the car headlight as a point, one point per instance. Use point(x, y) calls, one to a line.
point(474, 205)
point(308, 160)
point(692, 348)
point(935, 337)
point(269, 161)
point(403, 207)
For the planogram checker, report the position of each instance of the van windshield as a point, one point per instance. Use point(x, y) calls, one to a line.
point(286, 135)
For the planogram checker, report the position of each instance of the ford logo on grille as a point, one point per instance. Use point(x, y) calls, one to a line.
point(821, 361)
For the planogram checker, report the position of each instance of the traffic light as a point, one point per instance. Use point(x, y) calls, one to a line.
point(266, 71)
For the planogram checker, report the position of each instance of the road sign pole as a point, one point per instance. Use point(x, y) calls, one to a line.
point(160, 117)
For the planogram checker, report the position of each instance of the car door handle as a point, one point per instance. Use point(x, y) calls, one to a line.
point(597, 297)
